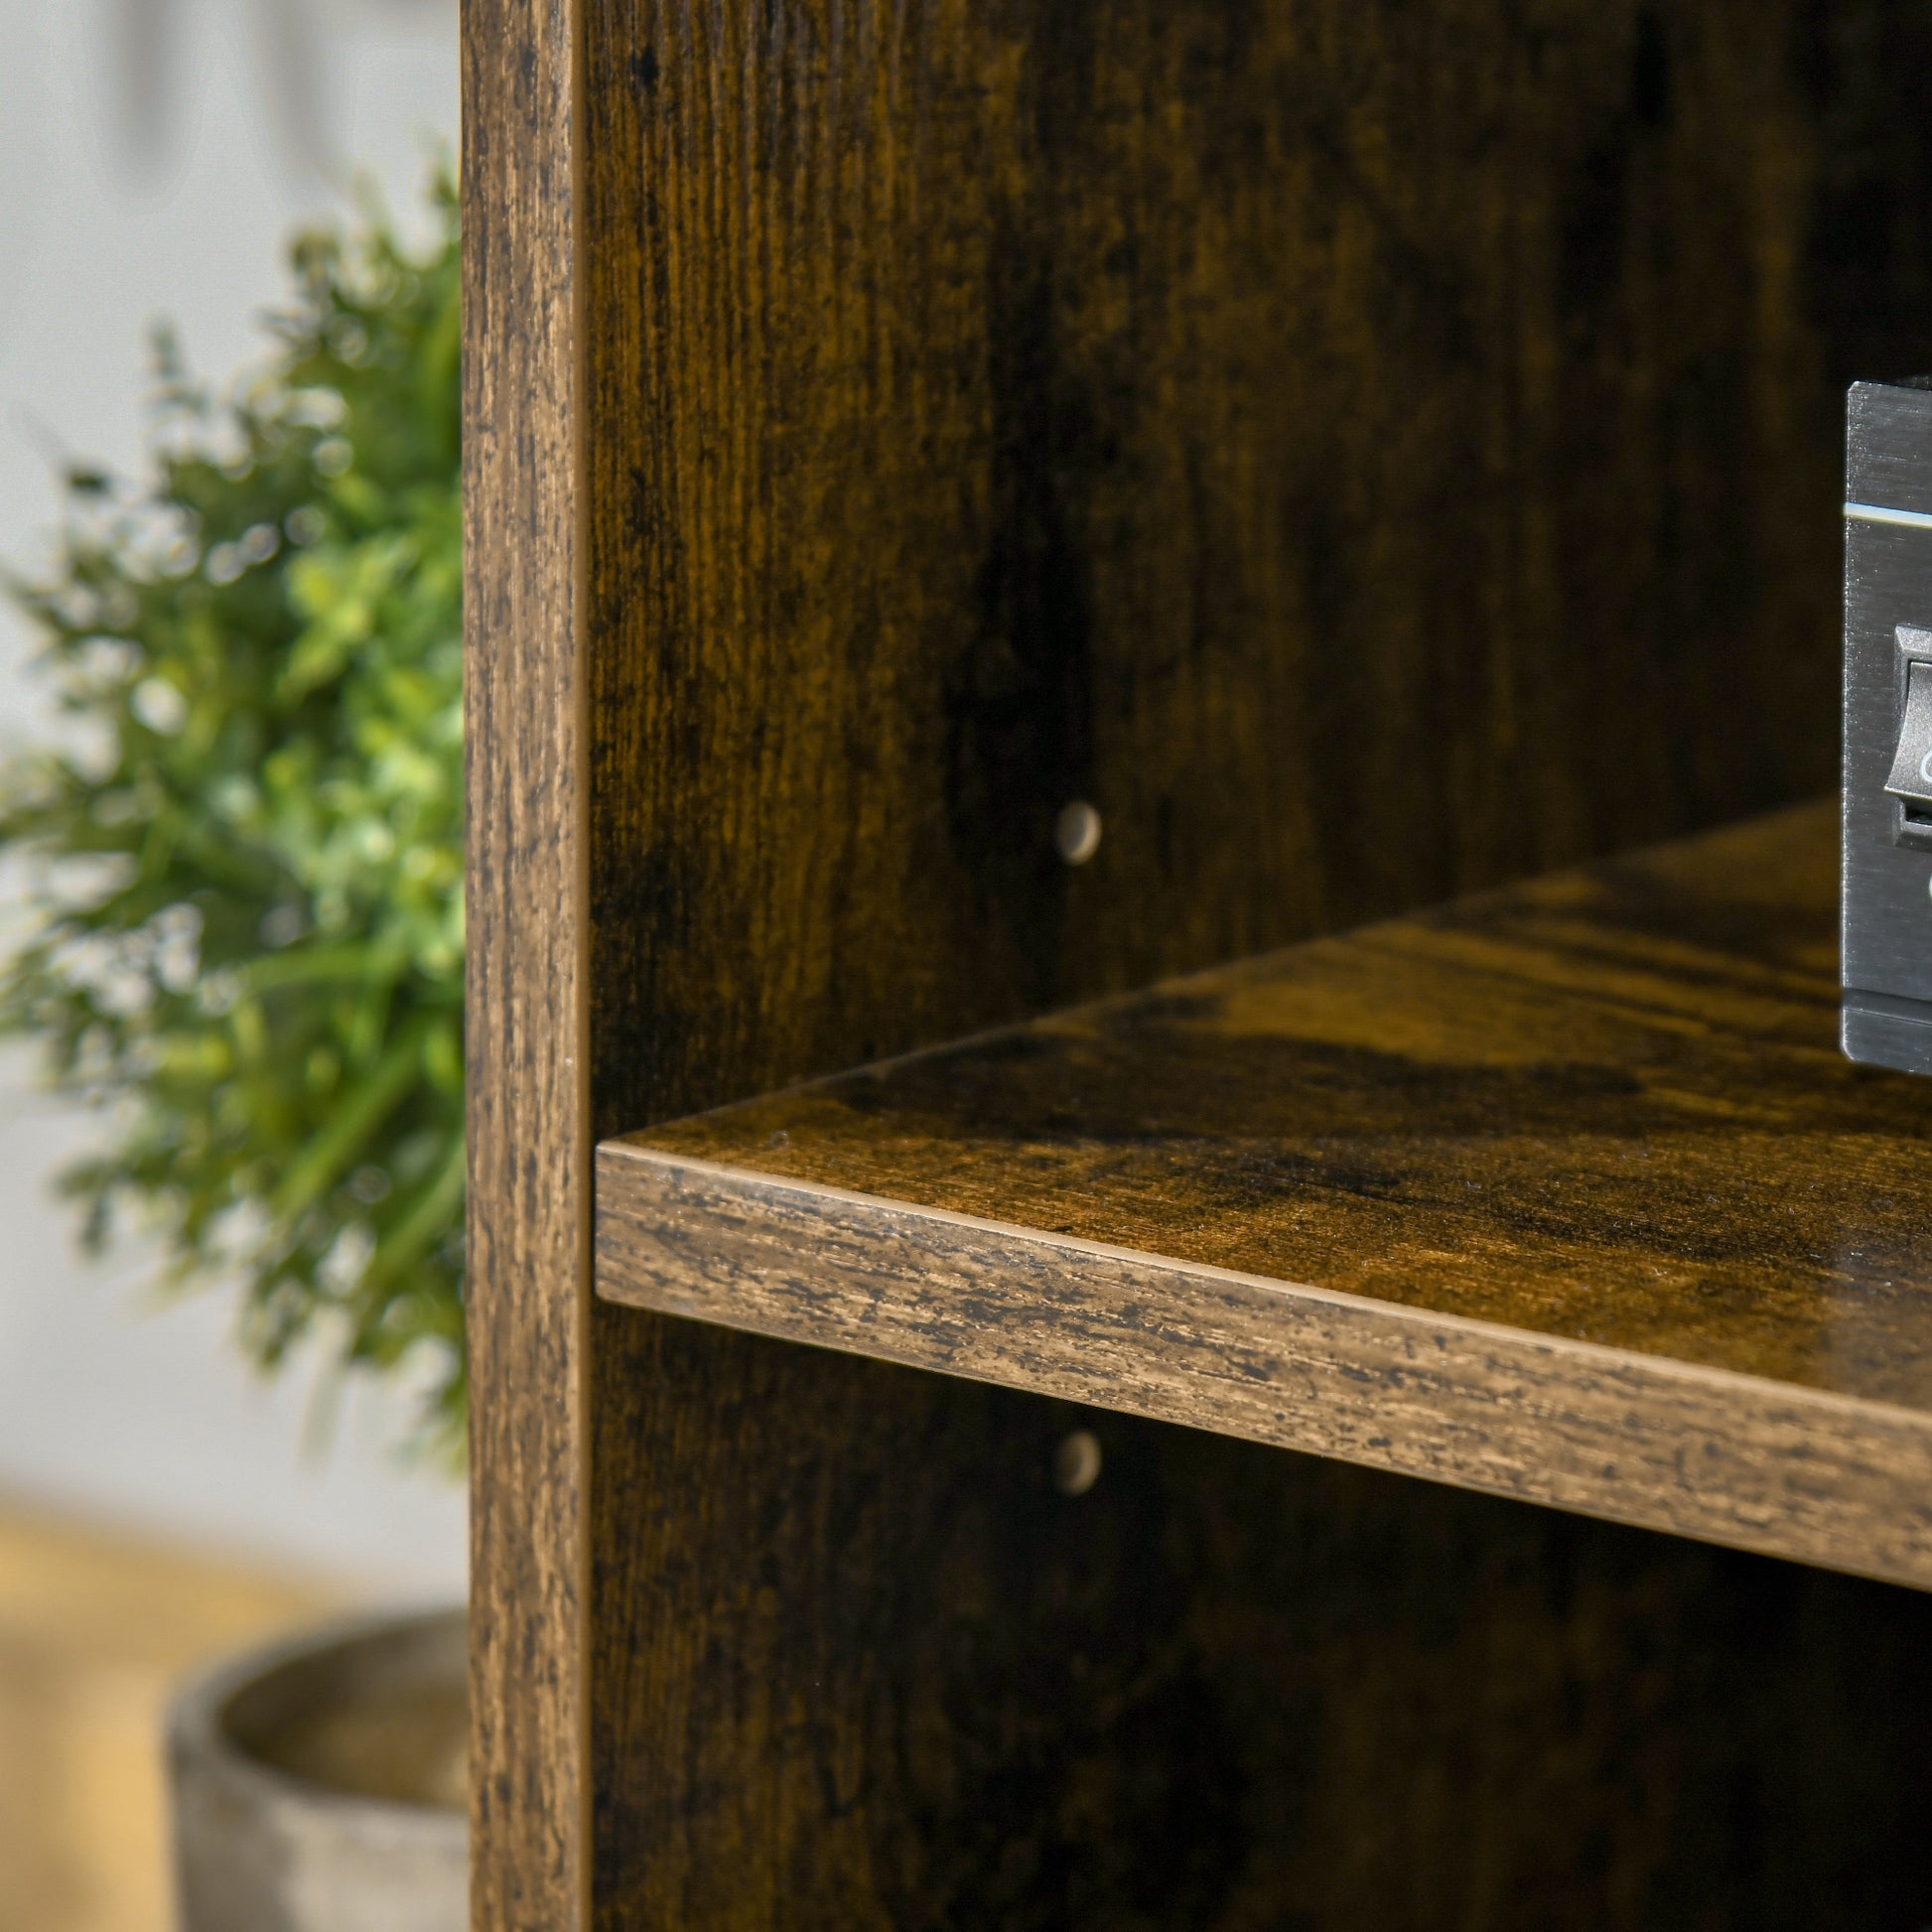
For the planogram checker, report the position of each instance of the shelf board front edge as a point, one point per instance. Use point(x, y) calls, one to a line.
point(1679, 1447)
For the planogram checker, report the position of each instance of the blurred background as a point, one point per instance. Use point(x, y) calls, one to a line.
point(159, 1501)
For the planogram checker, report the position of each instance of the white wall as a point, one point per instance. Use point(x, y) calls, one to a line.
point(108, 1402)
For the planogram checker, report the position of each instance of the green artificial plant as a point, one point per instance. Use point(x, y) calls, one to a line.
point(244, 845)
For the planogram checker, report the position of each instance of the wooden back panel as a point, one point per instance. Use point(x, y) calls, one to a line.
point(1366, 450)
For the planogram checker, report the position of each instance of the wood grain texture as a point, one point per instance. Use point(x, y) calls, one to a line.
point(1348, 444)
point(529, 1154)
point(1607, 1106)
point(1353, 446)
point(1736, 1459)
point(1638, 1240)
point(1340, 1694)
point(913, 1685)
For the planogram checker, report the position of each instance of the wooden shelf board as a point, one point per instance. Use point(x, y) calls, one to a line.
point(1563, 1193)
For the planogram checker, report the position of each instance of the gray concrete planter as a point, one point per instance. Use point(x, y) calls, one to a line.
point(318, 1783)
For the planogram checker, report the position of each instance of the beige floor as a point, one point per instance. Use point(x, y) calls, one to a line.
point(94, 1630)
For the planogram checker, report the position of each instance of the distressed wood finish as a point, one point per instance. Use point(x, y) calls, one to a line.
point(1734, 1460)
point(528, 1127)
point(1638, 1240)
point(1345, 442)
point(1230, 1687)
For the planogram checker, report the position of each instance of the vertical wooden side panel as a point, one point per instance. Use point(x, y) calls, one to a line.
point(529, 1174)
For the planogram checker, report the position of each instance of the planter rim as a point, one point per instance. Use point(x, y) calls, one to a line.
point(195, 1726)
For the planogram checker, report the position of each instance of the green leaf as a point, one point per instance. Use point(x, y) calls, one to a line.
point(245, 937)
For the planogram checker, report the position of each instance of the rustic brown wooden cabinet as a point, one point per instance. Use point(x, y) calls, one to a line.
point(1375, 456)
